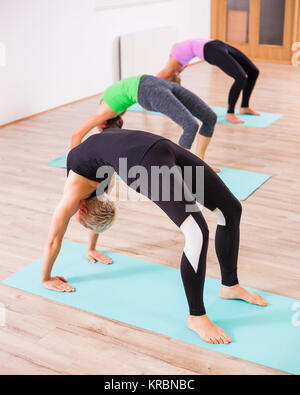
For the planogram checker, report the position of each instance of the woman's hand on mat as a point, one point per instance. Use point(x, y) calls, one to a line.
point(97, 256)
point(58, 284)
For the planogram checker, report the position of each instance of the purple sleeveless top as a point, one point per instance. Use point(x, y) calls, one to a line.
point(185, 51)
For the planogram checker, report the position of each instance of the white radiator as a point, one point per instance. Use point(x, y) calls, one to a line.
point(145, 52)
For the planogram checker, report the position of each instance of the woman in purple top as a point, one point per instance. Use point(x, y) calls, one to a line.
point(229, 59)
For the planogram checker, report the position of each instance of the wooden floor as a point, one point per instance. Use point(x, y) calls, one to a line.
point(43, 337)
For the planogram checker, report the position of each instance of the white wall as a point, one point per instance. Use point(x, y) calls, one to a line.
point(59, 51)
point(145, 51)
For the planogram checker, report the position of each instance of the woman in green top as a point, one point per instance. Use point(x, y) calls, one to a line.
point(159, 95)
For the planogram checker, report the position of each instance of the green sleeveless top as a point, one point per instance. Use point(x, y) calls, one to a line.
point(122, 95)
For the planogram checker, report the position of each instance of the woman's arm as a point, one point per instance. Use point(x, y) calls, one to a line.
point(171, 68)
point(166, 73)
point(62, 215)
point(93, 239)
point(103, 114)
point(93, 255)
point(181, 70)
point(86, 127)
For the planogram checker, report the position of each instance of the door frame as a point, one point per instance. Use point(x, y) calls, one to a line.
point(267, 53)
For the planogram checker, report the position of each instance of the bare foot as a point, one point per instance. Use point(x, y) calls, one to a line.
point(240, 293)
point(233, 118)
point(248, 111)
point(216, 170)
point(207, 330)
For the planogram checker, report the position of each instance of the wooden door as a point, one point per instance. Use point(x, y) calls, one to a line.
point(262, 29)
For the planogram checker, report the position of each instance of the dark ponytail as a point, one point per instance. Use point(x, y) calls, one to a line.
point(115, 123)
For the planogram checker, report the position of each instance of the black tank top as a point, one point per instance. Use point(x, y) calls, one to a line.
point(106, 148)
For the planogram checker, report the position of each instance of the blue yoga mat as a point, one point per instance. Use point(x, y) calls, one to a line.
point(241, 183)
point(152, 297)
point(263, 121)
point(60, 162)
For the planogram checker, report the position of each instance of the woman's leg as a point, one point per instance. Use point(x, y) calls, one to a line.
point(155, 95)
point(198, 108)
point(201, 111)
point(193, 226)
point(219, 199)
point(181, 106)
point(218, 54)
point(252, 75)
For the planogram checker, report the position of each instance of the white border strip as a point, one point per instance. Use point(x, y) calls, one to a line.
point(102, 5)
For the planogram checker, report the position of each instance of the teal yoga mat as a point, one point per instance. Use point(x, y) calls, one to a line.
point(241, 183)
point(151, 296)
point(263, 121)
point(60, 162)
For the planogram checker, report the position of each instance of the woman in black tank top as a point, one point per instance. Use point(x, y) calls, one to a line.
point(90, 168)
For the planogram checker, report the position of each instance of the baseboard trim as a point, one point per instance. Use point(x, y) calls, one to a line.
point(45, 112)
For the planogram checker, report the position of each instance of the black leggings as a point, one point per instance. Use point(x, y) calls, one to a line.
point(238, 66)
point(217, 198)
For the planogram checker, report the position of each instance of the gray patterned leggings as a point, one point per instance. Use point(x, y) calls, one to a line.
point(179, 104)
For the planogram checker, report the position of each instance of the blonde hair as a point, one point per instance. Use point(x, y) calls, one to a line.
point(101, 213)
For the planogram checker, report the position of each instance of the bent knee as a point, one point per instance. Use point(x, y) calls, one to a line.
point(194, 125)
point(189, 133)
point(236, 209)
point(231, 215)
point(212, 118)
point(208, 127)
point(256, 73)
point(196, 237)
point(241, 79)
